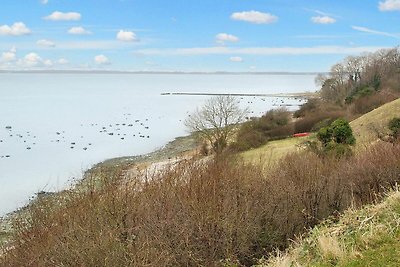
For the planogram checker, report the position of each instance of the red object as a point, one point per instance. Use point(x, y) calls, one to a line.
point(301, 134)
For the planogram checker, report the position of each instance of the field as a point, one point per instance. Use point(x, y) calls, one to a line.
point(367, 127)
point(273, 151)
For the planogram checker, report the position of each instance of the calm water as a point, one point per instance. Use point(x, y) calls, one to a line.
point(55, 126)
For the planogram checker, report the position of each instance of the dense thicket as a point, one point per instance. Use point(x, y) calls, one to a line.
point(198, 213)
point(364, 82)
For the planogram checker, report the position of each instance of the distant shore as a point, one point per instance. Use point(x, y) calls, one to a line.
point(161, 72)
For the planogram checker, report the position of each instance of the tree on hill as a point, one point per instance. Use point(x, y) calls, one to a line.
point(216, 121)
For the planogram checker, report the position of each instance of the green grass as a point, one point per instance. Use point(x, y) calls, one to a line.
point(273, 151)
point(366, 237)
point(366, 127)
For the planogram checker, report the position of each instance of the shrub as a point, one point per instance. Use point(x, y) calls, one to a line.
point(310, 120)
point(335, 140)
point(325, 135)
point(394, 126)
point(272, 125)
point(310, 106)
point(273, 119)
point(248, 138)
point(197, 213)
point(366, 104)
point(342, 132)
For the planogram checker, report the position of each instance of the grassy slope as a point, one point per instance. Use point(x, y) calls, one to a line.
point(273, 151)
point(365, 128)
point(366, 237)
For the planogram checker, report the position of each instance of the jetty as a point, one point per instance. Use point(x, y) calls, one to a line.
point(289, 95)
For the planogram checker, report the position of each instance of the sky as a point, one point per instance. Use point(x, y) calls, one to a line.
point(192, 35)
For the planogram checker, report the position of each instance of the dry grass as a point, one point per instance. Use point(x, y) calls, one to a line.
point(330, 247)
point(366, 237)
point(367, 127)
point(273, 151)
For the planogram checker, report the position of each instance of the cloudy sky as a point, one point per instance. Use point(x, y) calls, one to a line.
point(192, 35)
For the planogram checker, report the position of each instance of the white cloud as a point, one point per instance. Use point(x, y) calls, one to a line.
point(45, 43)
point(62, 61)
point(236, 59)
point(78, 31)
point(44, 2)
point(389, 5)
point(102, 60)
point(261, 51)
point(48, 63)
point(323, 20)
point(18, 28)
point(31, 60)
point(371, 31)
point(254, 17)
point(126, 36)
point(9, 56)
point(221, 38)
point(59, 16)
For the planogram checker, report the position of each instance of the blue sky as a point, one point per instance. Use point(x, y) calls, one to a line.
point(193, 35)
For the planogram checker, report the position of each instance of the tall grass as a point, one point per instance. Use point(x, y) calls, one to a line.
point(197, 213)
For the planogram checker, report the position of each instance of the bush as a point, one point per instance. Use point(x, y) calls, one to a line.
point(197, 213)
point(273, 119)
point(310, 106)
point(394, 126)
point(335, 140)
point(312, 117)
point(272, 125)
point(366, 104)
point(247, 138)
point(325, 135)
point(342, 132)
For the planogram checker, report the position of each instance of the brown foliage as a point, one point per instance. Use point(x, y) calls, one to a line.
point(368, 103)
point(197, 213)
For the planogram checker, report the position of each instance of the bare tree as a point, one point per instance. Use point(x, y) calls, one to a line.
point(216, 120)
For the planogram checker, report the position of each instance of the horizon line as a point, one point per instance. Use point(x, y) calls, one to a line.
point(165, 72)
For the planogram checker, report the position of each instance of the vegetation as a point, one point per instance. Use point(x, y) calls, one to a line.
point(270, 153)
point(394, 127)
point(254, 133)
point(216, 121)
point(366, 237)
point(357, 77)
point(373, 125)
point(334, 139)
point(197, 213)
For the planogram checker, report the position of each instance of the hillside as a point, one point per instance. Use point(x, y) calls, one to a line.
point(273, 151)
point(366, 237)
point(366, 130)
point(367, 127)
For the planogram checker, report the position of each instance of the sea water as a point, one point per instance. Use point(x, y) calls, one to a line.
point(55, 126)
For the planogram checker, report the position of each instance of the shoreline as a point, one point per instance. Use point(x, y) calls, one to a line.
point(172, 149)
point(178, 147)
